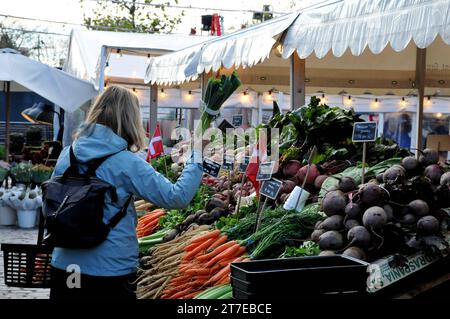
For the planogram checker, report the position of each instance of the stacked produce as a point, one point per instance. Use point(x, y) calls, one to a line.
point(148, 223)
point(142, 206)
point(402, 210)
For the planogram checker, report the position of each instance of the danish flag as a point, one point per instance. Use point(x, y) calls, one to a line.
point(156, 147)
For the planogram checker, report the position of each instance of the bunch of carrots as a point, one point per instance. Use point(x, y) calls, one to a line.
point(205, 263)
point(148, 223)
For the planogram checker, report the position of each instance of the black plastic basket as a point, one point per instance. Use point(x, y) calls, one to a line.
point(291, 277)
point(27, 266)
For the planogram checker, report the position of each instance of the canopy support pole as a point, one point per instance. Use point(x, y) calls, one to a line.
point(420, 84)
point(153, 114)
point(7, 122)
point(101, 79)
point(203, 84)
point(297, 81)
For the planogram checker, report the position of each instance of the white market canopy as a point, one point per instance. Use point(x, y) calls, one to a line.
point(55, 85)
point(357, 44)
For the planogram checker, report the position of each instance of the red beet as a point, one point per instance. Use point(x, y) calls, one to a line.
point(319, 181)
point(292, 168)
point(313, 173)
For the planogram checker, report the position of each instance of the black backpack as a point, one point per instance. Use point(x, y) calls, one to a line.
point(73, 206)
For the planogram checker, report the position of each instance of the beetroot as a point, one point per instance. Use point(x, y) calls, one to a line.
point(331, 240)
point(315, 235)
point(374, 217)
point(292, 168)
point(287, 187)
point(334, 222)
point(389, 211)
point(347, 184)
point(394, 174)
point(319, 181)
point(352, 210)
point(418, 207)
point(355, 252)
point(445, 179)
point(429, 157)
point(350, 223)
point(408, 219)
point(410, 163)
point(434, 173)
point(313, 173)
point(334, 203)
point(371, 194)
point(359, 236)
point(427, 225)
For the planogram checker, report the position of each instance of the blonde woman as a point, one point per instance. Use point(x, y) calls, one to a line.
point(113, 127)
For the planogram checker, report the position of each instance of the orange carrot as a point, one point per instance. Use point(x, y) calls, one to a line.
point(230, 252)
point(198, 271)
point(221, 240)
point(191, 295)
point(208, 235)
point(217, 251)
point(182, 293)
point(199, 248)
point(219, 275)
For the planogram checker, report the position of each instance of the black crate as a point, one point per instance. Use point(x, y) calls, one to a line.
point(27, 266)
point(280, 278)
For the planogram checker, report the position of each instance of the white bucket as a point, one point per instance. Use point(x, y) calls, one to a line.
point(293, 199)
point(26, 218)
point(8, 216)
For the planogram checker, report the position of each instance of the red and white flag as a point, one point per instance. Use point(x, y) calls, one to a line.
point(258, 156)
point(156, 147)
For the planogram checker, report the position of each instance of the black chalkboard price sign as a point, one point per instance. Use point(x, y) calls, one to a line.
point(243, 166)
point(237, 120)
point(364, 132)
point(271, 188)
point(228, 163)
point(265, 171)
point(211, 168)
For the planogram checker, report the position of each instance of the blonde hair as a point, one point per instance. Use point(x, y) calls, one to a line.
point(118, 109)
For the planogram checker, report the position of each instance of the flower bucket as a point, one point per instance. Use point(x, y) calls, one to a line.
point(8, 216)
point(26, 218)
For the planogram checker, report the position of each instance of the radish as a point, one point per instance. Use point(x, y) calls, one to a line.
point(355, 252)
point(292, 168)
point(350, 223)
point(359, 236)
point(418, 207)
point(319, 181)
point(374, 217)
point(352, 210)
point(315, 235)
point(427, 225)
point(410, 163)
point(334, 203)
point(347, 184)
point(331, 240)
point(434, 173)
point(371, 194)
point(287, 187)
point(313, 173)
point(445, 179)
point(428, 157)
point(334, 222)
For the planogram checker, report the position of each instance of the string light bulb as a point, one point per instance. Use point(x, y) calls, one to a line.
point(189, 95)
point(348, 101)
point(162, 94)
point(119, 53)
point(323, 99)
point(245, 97)
point(428, 101)
point(148, 58)
point(375, 102)
point(403, 102)
point(107, 67)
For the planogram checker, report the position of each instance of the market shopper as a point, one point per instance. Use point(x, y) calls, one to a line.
point(114, 126)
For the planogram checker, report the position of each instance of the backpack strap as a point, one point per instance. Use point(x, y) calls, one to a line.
point(121, 214)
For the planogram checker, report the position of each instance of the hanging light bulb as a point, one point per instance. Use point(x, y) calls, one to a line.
point(245, 97)
point(189, 95)
point(107, 67)
point(148, 58)
point(119, 53)
point(134, 91)
point(438, 115)
point(375, 102)
point(348, 101)
point(428, 101)
point(323, 100)
point(403, 102)
point(163, 94)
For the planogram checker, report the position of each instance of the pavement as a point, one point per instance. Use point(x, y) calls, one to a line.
point(15, 235)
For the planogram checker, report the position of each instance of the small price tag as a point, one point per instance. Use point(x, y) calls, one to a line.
point(237, 120)
point(271, 188)
point(364, 132)
point(265, 171)
point(211, 168)
point(228, 163)
point(243, 166)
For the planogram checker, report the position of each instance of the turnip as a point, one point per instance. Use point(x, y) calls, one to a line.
point(319, 181)
point(334, 203)
point(427, 225)
point(327, 253)
point(352, 210)
point(428, 157)
point(347, 184)
point(292, 168)
point(359, 236)
point(418, 207)
point(350, 223)
point(287, 187)
point(315, 235)
point(408, 219)
point(434, 173)
point(371, 194)
point(334, 222)
point(331, 240)
point(355, 252)
point(313, 173)
point(374, 217)
point(394, 174)
point(410, 163)
point(445, 179)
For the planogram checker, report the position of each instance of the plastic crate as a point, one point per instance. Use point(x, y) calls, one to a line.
point(27, 266)
point(282, 278)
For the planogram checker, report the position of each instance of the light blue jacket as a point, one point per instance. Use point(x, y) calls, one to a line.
point(118, 255)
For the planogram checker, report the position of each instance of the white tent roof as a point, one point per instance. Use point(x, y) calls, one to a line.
point(85, 51)
point(328, 29)
point(55, 85)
